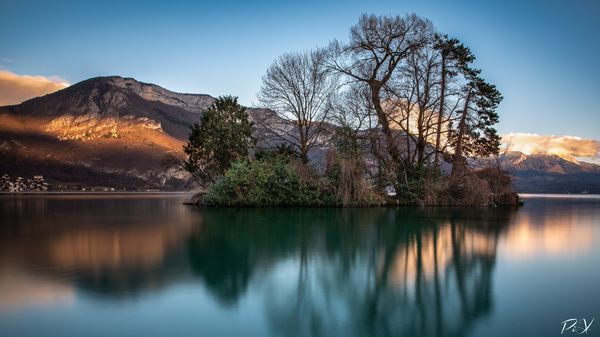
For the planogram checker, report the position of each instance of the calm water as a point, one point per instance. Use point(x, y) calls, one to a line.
point(149, 266)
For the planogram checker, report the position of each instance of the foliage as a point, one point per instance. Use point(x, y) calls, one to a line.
point(412, 183)
point(223, 135)
point(500, 184)
point(482, 139)
point(351, 188)
point(387, 106)
point(277, 180)
point(346, 142)
point(268, 182)
point(489, 186)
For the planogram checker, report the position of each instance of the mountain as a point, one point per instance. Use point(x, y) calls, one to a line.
point(543, 173)
point(118, 132)
point(104, 131)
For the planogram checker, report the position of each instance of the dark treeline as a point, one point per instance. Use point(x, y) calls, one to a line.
point(392, 115)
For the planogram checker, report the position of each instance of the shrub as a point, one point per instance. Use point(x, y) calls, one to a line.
point(347, 175)
point(270, 182)
point(489, 186)
point(281, 180)
point(412, 180)
point(500, 184)
point(468, 190)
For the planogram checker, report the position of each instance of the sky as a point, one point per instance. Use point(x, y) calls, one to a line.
point(542, 55)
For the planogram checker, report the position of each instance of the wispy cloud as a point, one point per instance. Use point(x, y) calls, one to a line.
point(15, 88)
point(567, 147)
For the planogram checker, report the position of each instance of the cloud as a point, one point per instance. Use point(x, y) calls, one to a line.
point(567, 147)
point(15, 89)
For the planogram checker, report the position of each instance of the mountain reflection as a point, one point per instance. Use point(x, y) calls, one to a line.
point(322, 272)
point(109, 246)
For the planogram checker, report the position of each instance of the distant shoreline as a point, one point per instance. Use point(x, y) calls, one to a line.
point(559, 195)
point(3, 193)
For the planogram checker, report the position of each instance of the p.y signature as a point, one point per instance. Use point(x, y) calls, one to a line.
point(576, 325)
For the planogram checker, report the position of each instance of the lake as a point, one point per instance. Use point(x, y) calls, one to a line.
point(146, 265)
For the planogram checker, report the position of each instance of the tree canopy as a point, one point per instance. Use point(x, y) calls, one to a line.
point(383, 111)
point(223, 135)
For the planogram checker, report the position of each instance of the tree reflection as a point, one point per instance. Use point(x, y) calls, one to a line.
point(321, 272)
point(224, 266)
point(355, 272)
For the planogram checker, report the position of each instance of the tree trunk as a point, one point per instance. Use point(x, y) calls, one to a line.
point(385, 124)
point(303, 145)
point(421, 141)
point(438, 136)
point(458, 164)
point(391, 147)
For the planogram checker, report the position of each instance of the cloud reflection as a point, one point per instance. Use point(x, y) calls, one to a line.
point(19, 289)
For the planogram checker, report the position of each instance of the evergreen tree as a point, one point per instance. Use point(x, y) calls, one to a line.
point(223, 135)
point(455, 58)
point(475, 134)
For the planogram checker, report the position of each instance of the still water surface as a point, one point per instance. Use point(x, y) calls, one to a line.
point(140, 265)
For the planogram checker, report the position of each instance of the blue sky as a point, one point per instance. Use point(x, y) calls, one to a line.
point(543, 55)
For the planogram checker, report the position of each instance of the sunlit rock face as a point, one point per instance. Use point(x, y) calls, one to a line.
point(105, 131)
point(90, 126)
point(120, 99)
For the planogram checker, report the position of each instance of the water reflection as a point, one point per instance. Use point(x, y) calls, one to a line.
point(557, 228)
point(111, 246)
point(18, 289)
point(356, 272)
point(318, 272)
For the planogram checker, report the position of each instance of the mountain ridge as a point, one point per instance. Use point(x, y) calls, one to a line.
point(118, 132)
point(547, 173)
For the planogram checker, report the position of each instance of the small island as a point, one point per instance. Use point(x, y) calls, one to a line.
point(396, 115)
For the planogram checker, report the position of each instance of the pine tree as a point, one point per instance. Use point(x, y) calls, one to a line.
point(475, 134)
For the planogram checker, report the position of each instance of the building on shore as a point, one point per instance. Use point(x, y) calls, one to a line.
point(19, 184)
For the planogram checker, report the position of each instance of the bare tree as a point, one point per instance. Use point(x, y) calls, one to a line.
point(352, 112)
point(298, 87)
point(415, 91)
point(378, 45)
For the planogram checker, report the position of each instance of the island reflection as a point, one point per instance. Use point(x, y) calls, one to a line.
point(357, 272)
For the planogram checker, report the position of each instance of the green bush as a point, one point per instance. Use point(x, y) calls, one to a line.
point(269, 182)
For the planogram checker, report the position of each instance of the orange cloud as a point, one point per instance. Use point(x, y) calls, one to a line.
point(15, 89)
point(567, 147)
